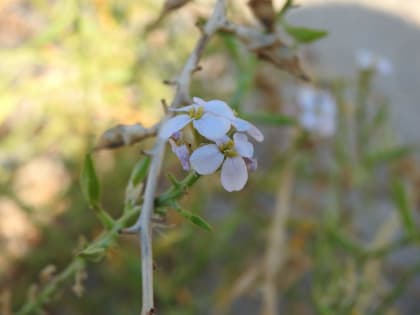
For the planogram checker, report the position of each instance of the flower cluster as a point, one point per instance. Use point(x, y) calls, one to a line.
point(317, 111)
point(214, 121)
point(367, 60)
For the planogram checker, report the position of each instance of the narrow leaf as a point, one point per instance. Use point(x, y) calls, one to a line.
point(89, 182)
point(303, 34)
point(140, 171)
point(403, 206)
point(194, 219)
point(389, 155)
point(94, 254)
point(286, 7)
point(268, 118)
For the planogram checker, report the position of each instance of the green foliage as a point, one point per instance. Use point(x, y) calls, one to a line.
point(268, 118)
point(401, 199)
point(304, 35)
point(89, 182)
point(193, 218)
point(140, 171)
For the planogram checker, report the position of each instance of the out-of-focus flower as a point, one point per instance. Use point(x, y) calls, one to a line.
point(231, 155)
point(317, 111)
point(211, 119)
point(181, 150)
point(367, 60)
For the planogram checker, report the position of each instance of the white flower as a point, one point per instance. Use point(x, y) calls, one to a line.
point(317, 111)
point(231, 155)
point(208, 118)
point(212, 119)
point(368, 60)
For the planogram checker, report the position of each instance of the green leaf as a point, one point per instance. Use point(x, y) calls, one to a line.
point(268, 118)
point(94, 254)
point(89, 182)
point(286, 7)
point(403, 206)
point(389, 155)
point(194, 219)
point(140, 171)
point(303, 34)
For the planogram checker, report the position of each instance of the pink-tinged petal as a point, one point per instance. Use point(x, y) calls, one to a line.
point(182, 152)
point(212, 127)
point(173, 125)
point(251, 164)
point(234, 174)
point(246, 126)
point(219, 108)
point(176, 136)
point(183, 109)
point(206, 159)
point(199, 101)
point(242, 145)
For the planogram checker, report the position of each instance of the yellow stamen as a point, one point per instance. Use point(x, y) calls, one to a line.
point(228, 149)
point(196, 113)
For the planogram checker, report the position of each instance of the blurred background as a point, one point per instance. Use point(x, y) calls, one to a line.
point(349, 241)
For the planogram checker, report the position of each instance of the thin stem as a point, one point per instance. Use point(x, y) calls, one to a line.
point(143, 225)
point(277, 251)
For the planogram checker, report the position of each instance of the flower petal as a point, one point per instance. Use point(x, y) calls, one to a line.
point(184, 108)
point(242, 145)
point(206, 159)
point(234, 174)
point(182, 152)
point(222, 140)
point(219, 108)
point(199, 101)
point(251, 164)
point(246, 126)
point(173, 125)
point(211, 126)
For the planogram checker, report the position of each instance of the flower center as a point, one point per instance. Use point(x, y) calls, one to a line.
point(196, 112)
point(228, 149)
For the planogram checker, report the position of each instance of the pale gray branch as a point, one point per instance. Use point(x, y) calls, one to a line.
point(182, 96)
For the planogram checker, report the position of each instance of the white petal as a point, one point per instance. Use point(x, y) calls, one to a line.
point(219, 108)
point(183, 109)
point(365, 59)
point(234, 174)
point(243, 125)
point(384, 66)
point(308, 120)
point(307, 99)
point(199, 101)
point(242, 145)
point(206, 159)
point(222, 140)
point(212, 127)
point(173, 125)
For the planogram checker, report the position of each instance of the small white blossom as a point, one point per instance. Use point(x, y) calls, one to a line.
point(317, 111)
point(212, 119)
point(232, 155)
point(368, 60)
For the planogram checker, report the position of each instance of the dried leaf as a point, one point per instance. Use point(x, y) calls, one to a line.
point(124, 135)
point(264, 12)
point(283, 58)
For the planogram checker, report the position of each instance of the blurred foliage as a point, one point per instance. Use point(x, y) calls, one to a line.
point(72, 69)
